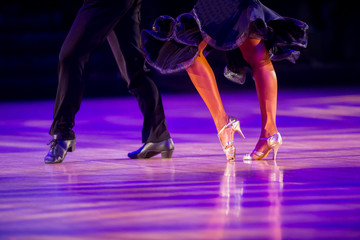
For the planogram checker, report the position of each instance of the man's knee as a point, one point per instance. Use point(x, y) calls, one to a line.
point(72, 57)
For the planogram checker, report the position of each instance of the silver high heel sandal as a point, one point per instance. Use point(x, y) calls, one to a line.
point(273, 143)
point(229, 148)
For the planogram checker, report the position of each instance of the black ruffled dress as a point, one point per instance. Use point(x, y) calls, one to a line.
point(172, 44)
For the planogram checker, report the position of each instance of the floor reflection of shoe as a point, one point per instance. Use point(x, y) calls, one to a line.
point(228, 146)
point(59, 149)
point(273, 143)
point(151, 149)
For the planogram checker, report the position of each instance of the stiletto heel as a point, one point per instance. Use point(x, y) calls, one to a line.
point(273, 143)
point(275, 150)
point(236, 127)
point(229, 148)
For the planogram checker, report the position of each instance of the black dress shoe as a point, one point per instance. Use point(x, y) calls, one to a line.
point(58, 149)
point(151, 149)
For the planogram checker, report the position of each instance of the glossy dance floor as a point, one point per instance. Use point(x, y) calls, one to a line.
point(311, 192)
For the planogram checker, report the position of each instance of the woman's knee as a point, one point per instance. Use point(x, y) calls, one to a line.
point(255, 53)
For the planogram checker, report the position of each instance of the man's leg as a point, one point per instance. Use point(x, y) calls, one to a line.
point(125, 44)
point(92, 24)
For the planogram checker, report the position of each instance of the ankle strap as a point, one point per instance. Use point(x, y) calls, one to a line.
point(231, 121)
point(267, 138)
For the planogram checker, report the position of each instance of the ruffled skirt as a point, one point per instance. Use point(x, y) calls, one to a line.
point(173, 44)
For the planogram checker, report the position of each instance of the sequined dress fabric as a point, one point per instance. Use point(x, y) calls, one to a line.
point(172, 44)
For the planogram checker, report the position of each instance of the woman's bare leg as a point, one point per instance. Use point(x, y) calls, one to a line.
point(256, 54)
point(203, 78)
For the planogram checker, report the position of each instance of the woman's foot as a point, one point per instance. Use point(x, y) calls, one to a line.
point(264, 147)
point(226, 137)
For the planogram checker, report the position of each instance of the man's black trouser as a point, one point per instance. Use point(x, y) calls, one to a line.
point(118, 21)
